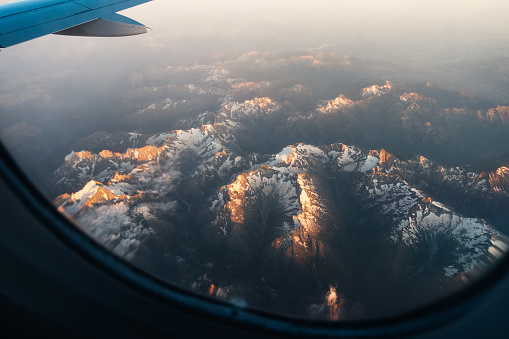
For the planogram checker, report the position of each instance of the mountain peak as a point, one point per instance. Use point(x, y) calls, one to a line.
point(387, 160)
point(255, 107)
point(376, 90)
point(336, 104)
point(120, 177)
point(83, 155)
point(499, 180)
point(414, 98)
point(498, 114)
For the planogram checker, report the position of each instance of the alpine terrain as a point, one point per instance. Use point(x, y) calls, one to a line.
point(293, 183)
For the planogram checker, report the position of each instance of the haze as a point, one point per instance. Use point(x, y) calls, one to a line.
point(413, 33)
point(196, 27)
point(452, 44)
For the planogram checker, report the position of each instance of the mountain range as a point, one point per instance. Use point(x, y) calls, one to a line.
point(266, 192)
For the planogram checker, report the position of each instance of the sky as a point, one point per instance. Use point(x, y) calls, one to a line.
point(328, 20)
point(286, 24)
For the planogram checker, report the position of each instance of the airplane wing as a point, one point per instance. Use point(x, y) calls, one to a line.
point(29, 19)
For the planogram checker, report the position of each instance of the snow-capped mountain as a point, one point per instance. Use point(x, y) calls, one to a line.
point(269, 190)
point(376, 90)
point(301, 210)
point(336, 104)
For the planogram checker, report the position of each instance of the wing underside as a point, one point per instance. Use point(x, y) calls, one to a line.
point(25, 20)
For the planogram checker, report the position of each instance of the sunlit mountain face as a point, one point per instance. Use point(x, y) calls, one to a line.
point(306, 181)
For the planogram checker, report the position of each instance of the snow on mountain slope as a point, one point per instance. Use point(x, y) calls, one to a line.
point(376, 90)
point(282, 182)
point(302, 158)
point(411, 98)
point(265, 187)
point(81, 167)
point(257, 107)
point(391, 197)
point(352, 159)
point(436, 228)
point(153, 177)
point(335, 105)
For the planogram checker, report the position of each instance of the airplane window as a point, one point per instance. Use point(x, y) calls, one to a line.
point(335, 161)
